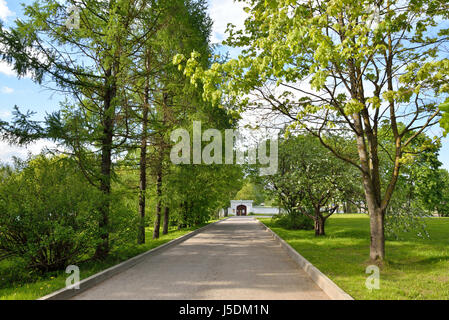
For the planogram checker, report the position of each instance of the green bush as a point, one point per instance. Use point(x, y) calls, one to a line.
point(294, 221)
point(123, 220)
point(48, 213)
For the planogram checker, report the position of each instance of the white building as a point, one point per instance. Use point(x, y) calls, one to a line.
point(246, 207)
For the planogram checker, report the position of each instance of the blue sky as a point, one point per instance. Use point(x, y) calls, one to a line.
point(29, 96)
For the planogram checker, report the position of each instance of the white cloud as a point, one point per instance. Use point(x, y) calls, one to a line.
point(223, 12)
point(7, 69)
point(4, 11)
point(7, 152)
point(6, 90)
point(5, 115)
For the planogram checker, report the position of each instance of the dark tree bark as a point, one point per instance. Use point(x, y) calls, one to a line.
point(102, 249)
point(162, 147)
point(166, 220)
point(157, 220)
point(319, 222)
point(319, 218)
point(319, 226)
point(143, 169)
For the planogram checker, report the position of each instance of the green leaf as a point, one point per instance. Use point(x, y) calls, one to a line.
point(444, 107)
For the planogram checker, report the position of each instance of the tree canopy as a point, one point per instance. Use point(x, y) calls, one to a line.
point(340, 68)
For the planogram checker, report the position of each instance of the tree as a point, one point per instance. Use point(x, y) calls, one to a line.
point(443, 206)
point(195, 191)
point(187, 28)
point(418, 192)
point(310, 180)
point(344, 67)
point(251, 191)
point(90, 64)
point(47, 213)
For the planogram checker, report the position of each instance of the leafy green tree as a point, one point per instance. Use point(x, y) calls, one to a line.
point(195, 191)
point(444, 122)
point(310, 181)
point(419, 189)
point(341, 66)
point(443, 181)
point(161, 93)
point(90, 63)
point(47, 213)
point(251, 191)
point(175, 99)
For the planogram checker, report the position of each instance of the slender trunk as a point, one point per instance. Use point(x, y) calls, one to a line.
point(157, 220)
point(102, 249)
point(143, 170)
point(166, 220)
point(371, 183)
point(319, 223)
point(184, 214)
point(162, 147)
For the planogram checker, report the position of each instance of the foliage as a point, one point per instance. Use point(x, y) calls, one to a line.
point(405, 218)
point(197, 191)
point(444, 122)
point(293, 222)
point(251, 191)
point(443, 209)
point(310, 181)
point(420, 189)
point(47, 213)
point(124, 97)
point(343, 67)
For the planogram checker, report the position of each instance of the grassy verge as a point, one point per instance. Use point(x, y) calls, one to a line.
point(16, 283)
point(414, 268)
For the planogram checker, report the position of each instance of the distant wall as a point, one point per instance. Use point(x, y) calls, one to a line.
point(256, 210)
point(265, 210)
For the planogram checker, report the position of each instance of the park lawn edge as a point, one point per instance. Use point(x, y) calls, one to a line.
point(415, 269)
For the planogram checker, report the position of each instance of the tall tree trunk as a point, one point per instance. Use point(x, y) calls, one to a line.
point(162, 148)
point(377, 245)
point(371, 182)
point(376, 205)
point(166, 220)
point(157, 220)
point(102, 249)
point(377, 219)
point(143, 169)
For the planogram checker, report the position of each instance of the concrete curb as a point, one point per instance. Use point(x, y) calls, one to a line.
point(67, 293)
point(327, 285)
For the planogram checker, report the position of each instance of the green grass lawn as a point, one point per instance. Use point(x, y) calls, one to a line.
point(414, 268)
point(16, 283)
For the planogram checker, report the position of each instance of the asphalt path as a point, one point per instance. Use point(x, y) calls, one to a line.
point(234, 259)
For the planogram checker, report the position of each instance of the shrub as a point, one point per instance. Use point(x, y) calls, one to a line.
point(294, 221)
point(48, 213)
